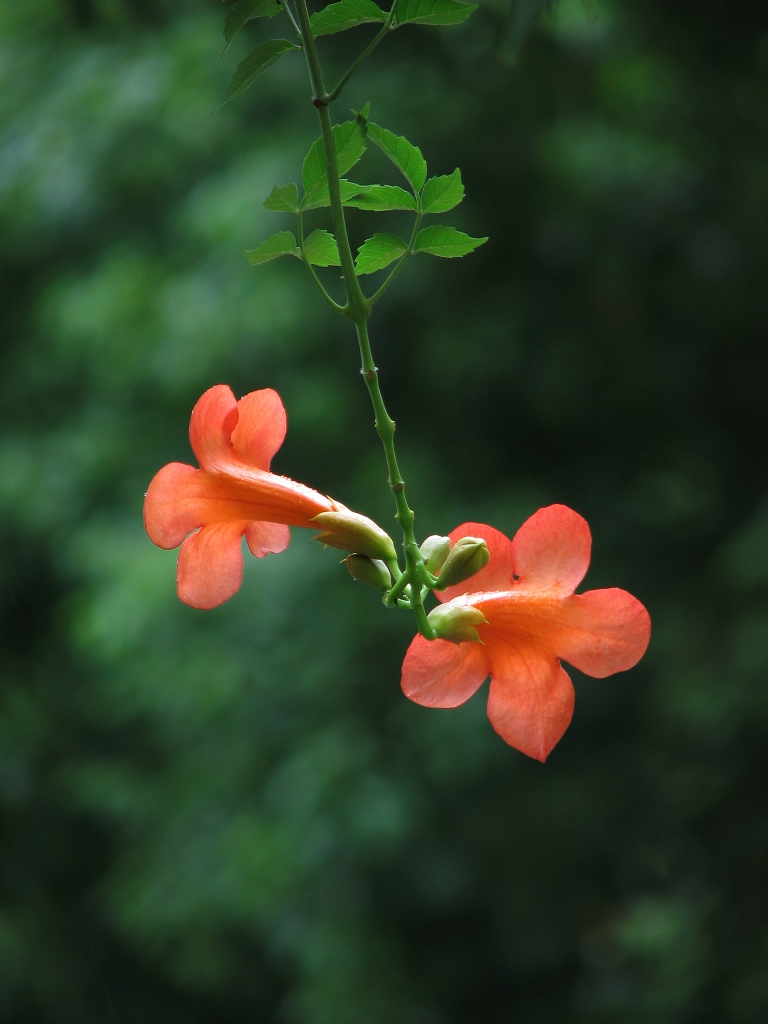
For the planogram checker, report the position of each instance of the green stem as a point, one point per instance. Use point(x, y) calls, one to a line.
point(399, 265)
point(310, 55)
point(385, 428)
point(289, 12)
point(358, 309)
point(385, 29)
point(357, 305)
point(335, 306)
point(394, 595)
point(311, 270)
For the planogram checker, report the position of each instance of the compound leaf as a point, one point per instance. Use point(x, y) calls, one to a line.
point(349, 140)
point(320, 194)
point(378, 252)
point(432, 12)
point(243, 10)
point(313, 168)
point(321, 250)
point(445, 242)
point(403, 154)
point(346, 14)
point(283, 199)
point(350, 143)
point(283, 243)
point(442, 193)
point(256, 63)
point(381, 197)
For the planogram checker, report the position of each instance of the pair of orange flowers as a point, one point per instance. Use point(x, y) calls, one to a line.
point(522, 606)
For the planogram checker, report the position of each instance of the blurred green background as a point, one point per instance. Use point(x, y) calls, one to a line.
point(235, 816)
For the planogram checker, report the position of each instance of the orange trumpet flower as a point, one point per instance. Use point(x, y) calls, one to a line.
point(208, 510)
point(523, 610)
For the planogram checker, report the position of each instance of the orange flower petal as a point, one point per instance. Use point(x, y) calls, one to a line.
point(210, 566)
point(530, 701)
point(440, 674)
point(497, 575)
point(210, 427)
point(234, 493)
point(267, 538)
point(604, 631)
point(170, 511)
point(260, 429)
point(551, 550)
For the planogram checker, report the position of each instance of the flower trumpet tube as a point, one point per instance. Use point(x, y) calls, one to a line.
point(233, 494)
point(523, 611)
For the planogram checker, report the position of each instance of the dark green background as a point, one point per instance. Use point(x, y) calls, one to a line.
point(236, 816)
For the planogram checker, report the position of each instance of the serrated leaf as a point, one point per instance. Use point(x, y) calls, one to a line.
point(403, 154)
point(256, 63)
point(321, 250)
point(432, 12)
point(320, 194)
point(378, 252)
point(283, 199)
point(381, 197)
point(346, 14)
point(445, 242)
point(442, 193)
point(350, 144)
point(283, 243)
point(313, 168)
point(243, 10)
point(349, 140)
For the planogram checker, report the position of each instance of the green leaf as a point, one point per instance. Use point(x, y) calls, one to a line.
point(381, 197)
point(446, 242)
point(281, 244)
point(349, 140)
point(313, 168)
point(243, 10)
point(320, 194)
point(321, 250)
point(378, 252)
point(442, 193)
point(350, 144)
point(405, 156)
point(432, 12)
point(258, 60)
point(283, 199)
point(347, 14)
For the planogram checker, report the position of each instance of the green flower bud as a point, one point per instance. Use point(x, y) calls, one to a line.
point(434, 551)
point(350, 531)
point(456, 622)
point(467, 556)
point(371, 571)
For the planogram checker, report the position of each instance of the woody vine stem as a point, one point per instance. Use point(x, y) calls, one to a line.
point(413, 583)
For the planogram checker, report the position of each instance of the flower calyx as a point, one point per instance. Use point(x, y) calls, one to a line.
point(349, 531)
point(467, 556)
point(371, 571)
point(456, 622)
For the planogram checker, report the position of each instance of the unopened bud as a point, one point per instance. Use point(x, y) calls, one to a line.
point(371, 571)
point(349, 531)
point(456, 622)
point(467, 556)
point(434, 551)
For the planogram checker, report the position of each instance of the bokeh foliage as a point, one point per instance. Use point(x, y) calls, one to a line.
point(235, 815)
